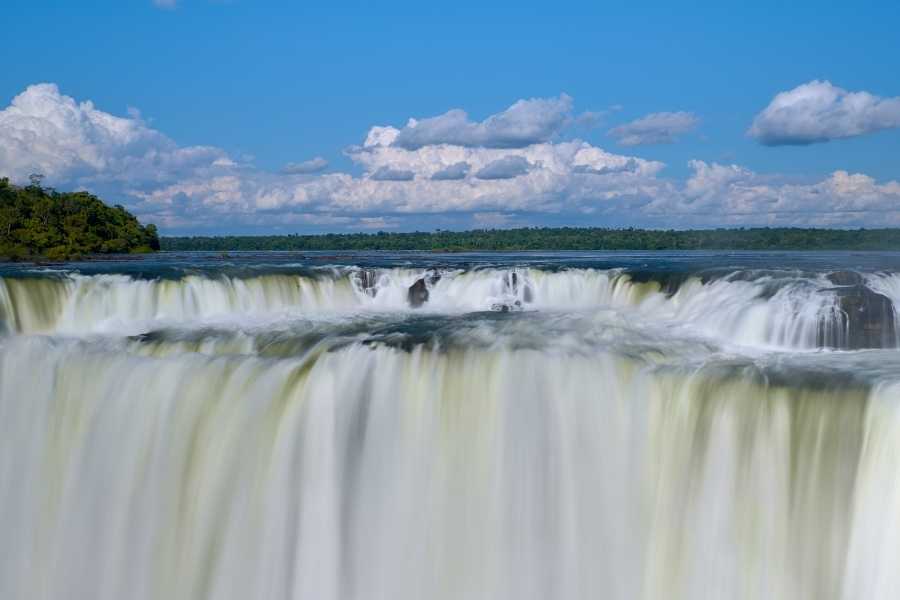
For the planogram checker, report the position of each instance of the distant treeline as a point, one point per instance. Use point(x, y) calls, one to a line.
point(559, 238)
point(41, 223)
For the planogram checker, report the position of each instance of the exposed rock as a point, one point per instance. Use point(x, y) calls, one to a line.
point(867, 319)
point(367, 280)
point(418, 293)
point(669, 282)
point(845, 278)
point(513, 282)
point(504, 307)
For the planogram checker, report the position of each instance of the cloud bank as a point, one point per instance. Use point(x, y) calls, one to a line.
point(818, 111)
point(510, 169)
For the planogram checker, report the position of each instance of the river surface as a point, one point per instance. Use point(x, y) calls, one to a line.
point(468, 426)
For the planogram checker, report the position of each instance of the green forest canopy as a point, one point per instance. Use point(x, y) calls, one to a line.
point(37, 222)
point(559, 238)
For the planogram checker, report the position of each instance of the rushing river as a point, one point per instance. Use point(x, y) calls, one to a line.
point(408, 426)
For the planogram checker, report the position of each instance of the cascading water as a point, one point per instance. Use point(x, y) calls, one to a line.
point(790, 312)
point(533, 429)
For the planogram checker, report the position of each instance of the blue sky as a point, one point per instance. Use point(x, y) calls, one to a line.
point(260, 85)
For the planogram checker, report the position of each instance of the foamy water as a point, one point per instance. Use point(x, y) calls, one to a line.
point(528, 431)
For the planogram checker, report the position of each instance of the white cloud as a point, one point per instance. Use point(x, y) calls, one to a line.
point(377, 223)
point(313, 165)
point(574, 182)
point(630, 165)
point(46, 132)
point(386, 173)
point(556, 158)
point(819, 111)
point(398, 181)
point(731, 195)
point(709, 179)
point(525, 122)
point(507, 167)
point(655, 128)
point(453, 172)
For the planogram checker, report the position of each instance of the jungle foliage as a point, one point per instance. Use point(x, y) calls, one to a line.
point(41, 223)
point(560, 238)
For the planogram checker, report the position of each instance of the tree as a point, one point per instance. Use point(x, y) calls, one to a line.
point(38, 222)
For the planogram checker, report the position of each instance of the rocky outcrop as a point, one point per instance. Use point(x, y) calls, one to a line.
point(844, 278)
point(367, 280)
point(506, 307)
point(513, 283)
point(418, 292)
point(867, 318)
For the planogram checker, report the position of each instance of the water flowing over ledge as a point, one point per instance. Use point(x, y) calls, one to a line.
point(527, 431)
point(843, 310)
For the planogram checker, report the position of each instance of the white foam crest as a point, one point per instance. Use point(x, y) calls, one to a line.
point(118, 303)
point(799, 313)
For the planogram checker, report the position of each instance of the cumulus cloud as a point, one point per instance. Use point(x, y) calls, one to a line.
point(525, 122)
point(655, 128)
point(313, 165)
point(504, 168)
point(194, 188)
point(388, 174)
point(709, 179)
point(718, 194)
point(819, 111)
point(550, 185)
point(454, 172)
point(44, 131)
point(629, 166)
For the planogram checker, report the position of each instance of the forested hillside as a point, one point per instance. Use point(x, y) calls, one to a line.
point(37, 223)
point(563, 238)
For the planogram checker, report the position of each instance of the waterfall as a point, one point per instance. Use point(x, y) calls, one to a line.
point(789, 312)
point(313, 436)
